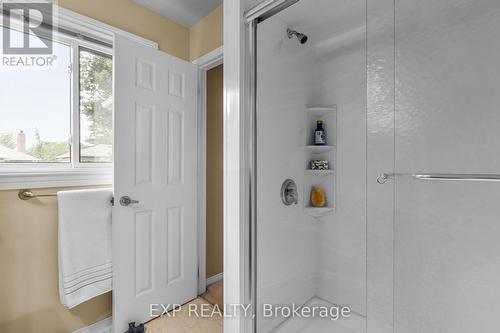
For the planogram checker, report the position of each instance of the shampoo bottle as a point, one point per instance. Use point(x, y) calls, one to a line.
point(319, 134)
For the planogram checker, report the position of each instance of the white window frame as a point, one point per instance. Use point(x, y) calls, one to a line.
point(75, 173)
point(75, 102)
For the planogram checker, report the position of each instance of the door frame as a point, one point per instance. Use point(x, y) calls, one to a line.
point(204, 63)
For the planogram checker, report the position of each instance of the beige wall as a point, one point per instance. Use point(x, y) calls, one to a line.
point(29, 296)
point(214, 254)
point(175, 39)
point(206, 35)
point(129, 16)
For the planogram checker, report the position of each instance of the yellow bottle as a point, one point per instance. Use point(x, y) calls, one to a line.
point(318, 198)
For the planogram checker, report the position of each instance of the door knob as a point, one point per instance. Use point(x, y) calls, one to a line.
point(125, 201)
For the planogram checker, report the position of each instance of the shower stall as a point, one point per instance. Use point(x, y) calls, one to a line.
point(375, 165)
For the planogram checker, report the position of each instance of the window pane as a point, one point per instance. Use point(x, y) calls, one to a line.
point(35, 106)
point(96, 107)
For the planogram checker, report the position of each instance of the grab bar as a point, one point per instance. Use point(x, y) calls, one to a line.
point(441, 176)
point(28, 194)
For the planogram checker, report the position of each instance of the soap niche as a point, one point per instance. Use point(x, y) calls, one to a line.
point(324, 179)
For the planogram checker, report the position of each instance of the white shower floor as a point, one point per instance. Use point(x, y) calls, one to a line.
point(354, 324)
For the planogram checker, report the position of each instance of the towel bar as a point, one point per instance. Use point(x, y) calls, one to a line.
point(28, 194)
point(440, 176)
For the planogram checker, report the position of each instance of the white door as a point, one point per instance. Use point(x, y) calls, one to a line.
point(154, 240)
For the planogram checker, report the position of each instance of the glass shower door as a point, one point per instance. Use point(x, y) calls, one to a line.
point(310, 236)
point(446, 231)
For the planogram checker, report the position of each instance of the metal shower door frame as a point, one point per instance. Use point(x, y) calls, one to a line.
point(253, 17)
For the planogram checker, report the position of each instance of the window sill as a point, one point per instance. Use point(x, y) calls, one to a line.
point(21, 178)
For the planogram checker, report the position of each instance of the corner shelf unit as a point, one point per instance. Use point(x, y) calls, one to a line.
point(324, 179)
point(319, 173)
point(318, 211)
point(319, 149)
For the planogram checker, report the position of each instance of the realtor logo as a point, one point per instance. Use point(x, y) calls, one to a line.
point(34, 19)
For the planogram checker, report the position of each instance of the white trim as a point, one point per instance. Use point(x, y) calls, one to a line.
point(236, 169)
point(76, 22)
point(211, 59)
point(52, 177)
point(204, 63)
point(103, 326)
point(202, 182)
point(215, 278)
point(87, 26)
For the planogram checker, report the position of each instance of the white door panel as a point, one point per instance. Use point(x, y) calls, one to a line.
point(154, 241)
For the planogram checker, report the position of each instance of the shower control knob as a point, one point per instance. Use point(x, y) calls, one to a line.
point(289, 193)
point(125, 201)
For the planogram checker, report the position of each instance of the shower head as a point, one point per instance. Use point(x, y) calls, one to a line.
point(301, 37)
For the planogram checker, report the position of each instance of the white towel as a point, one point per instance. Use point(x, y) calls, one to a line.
point(85, 264)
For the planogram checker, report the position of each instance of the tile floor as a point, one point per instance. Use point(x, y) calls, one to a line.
point(215, 294)
point(182, 321)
